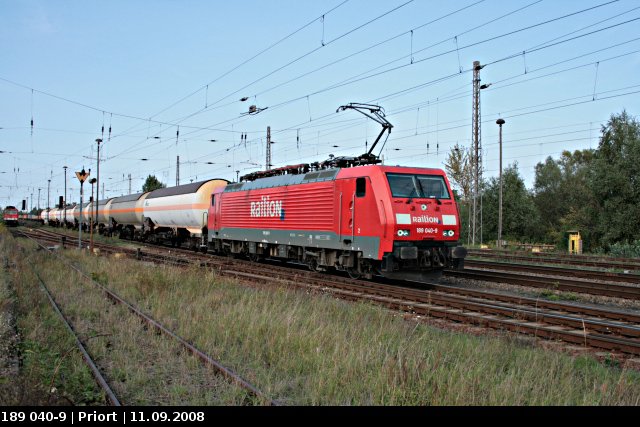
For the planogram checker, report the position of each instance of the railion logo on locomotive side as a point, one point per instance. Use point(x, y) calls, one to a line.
point(267, 208)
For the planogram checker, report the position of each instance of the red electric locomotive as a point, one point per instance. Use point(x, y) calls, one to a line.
point(347, 213)
point(10, 216)
point(398, 222)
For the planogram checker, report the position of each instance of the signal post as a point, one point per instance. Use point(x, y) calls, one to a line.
point(82, 176)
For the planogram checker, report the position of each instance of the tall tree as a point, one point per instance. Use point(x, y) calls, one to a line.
point(615, 181)
point(520, 220)
point(562, 197)
point(458, 167)
point(460, 174)
point(152, 183)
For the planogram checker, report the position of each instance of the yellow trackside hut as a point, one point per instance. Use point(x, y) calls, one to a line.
point(575, 242)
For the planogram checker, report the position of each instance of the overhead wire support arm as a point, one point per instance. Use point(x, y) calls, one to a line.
point(375, 113)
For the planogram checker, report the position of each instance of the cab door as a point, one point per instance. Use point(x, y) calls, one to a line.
point(212, 217)
point(354, 210)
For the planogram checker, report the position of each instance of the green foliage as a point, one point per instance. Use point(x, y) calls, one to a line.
point(101, 278)
point(594, 191)
point(459, 170)
point(562, 197)
point(152, 183)
point(615, 182)
point(520, 217)
point(627, 250)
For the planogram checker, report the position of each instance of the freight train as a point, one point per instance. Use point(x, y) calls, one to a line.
point(398, 222)
point(349, 214)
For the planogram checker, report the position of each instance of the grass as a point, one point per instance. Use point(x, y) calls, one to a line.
point(51, 370)
point(315, 350)
point(554, 295)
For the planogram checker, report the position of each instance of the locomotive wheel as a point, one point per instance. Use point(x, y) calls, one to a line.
point(353, 273)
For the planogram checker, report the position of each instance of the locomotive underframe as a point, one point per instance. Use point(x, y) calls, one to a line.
point(408, 261)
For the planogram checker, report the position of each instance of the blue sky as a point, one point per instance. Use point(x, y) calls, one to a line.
point(154, 69)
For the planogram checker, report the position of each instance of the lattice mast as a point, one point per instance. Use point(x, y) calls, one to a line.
point(177, 171)
point(476, 214)
point(268, 160)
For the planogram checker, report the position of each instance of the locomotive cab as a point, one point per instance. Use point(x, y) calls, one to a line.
point(426, 225)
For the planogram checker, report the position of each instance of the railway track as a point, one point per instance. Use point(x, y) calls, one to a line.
point(605, 276)
point(553, 283)
point(570, 257)
point(95, 371)
point(571, 284)
point(585, 325)
point(627, 264)
point(229, 374)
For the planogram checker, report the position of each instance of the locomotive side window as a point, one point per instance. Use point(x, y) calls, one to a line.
point(213, 200)
point(433, 186)
point(423, 186)
point(402, 185)
point(361, 187)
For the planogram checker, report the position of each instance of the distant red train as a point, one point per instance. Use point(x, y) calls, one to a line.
point(10, 216)
point(398, 222)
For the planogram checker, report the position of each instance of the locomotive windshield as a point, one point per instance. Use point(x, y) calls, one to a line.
point(420, 186)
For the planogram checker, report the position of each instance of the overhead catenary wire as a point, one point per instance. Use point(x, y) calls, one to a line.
point(150, 120)
point(312, 123)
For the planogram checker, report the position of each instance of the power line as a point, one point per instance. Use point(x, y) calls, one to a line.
point(226, 73)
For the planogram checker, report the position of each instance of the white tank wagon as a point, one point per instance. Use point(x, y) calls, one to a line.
point(179, 214)
point(125, 215)
point(99, 211)
point(44, 216)
point(54, 216)
point(102, 216)
point(86, 214)
point(69, 215)
point(73, 215)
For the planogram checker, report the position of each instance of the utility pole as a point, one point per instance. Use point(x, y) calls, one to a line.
point(91, 222)
point(476, 222)
point(65, 197)
point(500, 122)
point(178, 171)
point(97, 203)
point(475, 131)
point(38, 198)
point(48, 207)
point(268, 148)
point(129, 183)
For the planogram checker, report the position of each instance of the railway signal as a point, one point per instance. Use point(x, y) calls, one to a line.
point(82, 176)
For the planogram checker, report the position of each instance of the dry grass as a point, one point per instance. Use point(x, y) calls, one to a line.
point(315, 350)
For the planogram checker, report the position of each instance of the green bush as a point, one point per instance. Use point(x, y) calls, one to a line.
point(627, 250)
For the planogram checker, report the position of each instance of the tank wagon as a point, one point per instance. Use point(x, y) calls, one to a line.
point(175, 215)
point(180, 214)
point(53, 217)
point(44, 216)
point(125, 215)
point(102, 216)
point(397, 222)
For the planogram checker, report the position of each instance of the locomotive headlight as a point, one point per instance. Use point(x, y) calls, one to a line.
point(403, 233)
point(448, 233)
